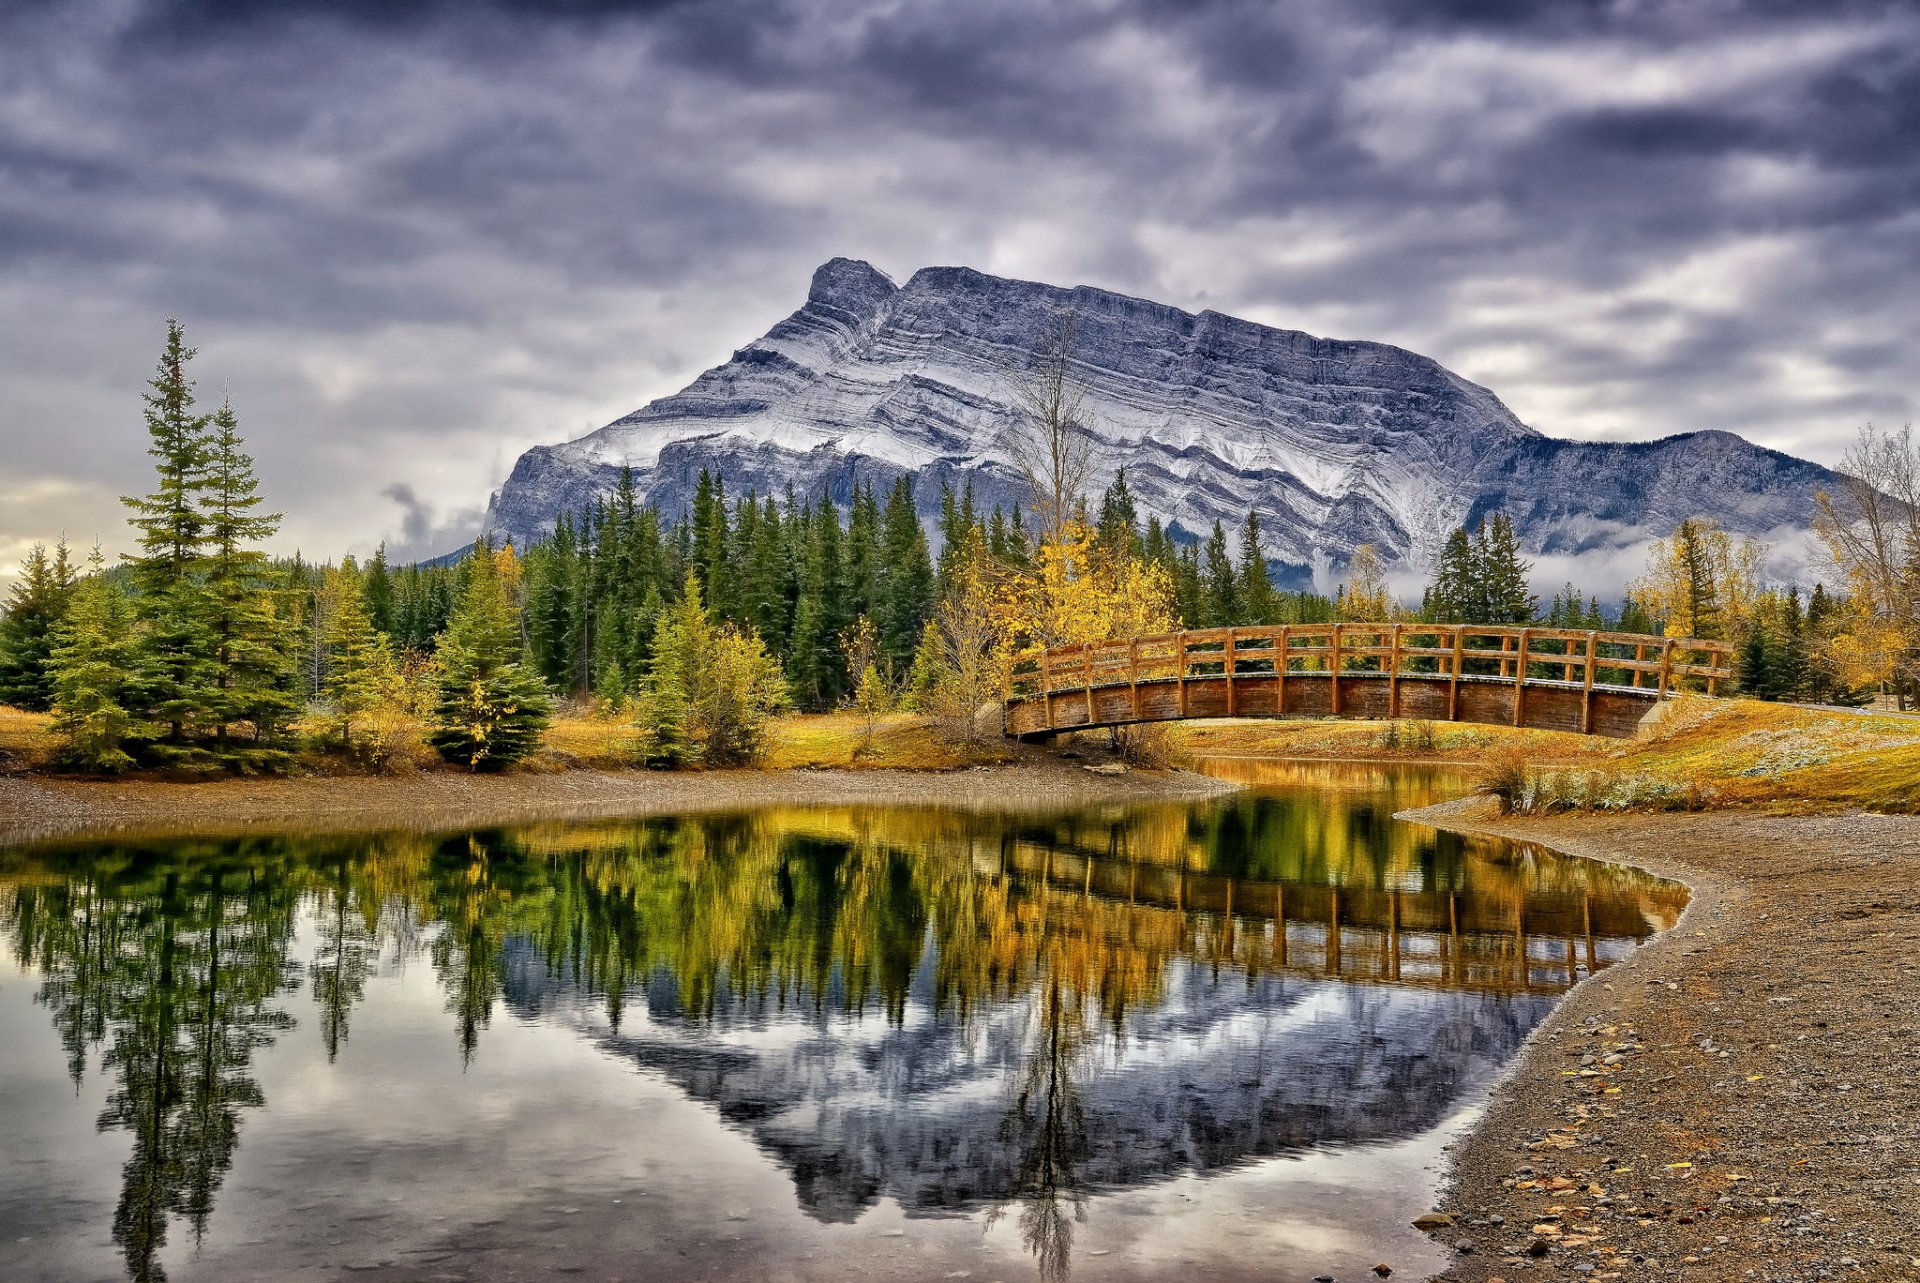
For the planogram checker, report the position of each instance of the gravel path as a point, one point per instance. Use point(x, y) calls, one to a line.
point(1741, 1098)
point(32, 809)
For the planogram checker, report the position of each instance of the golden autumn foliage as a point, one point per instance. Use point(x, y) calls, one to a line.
point(1702, 582)
point(1074, 593)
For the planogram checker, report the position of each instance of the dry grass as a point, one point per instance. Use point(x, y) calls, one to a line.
point(581, 737)
point(1748, 753)
point(1335, 738)
point(24, 741)
point(900, 741)
point(1703, 753)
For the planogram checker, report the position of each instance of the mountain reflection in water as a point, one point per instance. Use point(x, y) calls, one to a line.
point(961, 1015)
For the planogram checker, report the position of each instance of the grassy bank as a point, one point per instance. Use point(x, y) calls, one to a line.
point(576, 739)
point(1701, 754)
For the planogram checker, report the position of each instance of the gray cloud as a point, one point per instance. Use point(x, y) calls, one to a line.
point(418, 238)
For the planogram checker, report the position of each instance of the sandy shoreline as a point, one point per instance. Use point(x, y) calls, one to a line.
point(36, 809)
point(1741, 1098)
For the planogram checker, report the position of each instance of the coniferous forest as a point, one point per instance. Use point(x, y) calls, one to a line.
point(198, 652)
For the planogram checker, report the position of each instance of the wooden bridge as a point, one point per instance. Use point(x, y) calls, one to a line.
point(1594, 683)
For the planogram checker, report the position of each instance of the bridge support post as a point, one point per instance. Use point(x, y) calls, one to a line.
point(1333, 675)
point(1453, 687)
point(1520, 679)
point(1180, 669)
point(1393, 675)
point(1586, 695)
point(1280, 665)
point(1227, 668)
point(1133, 676)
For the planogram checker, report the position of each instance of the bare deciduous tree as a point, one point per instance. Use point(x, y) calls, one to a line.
point(1052, 445)
point(1871, 526)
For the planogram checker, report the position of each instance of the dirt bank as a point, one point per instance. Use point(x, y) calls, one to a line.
point(1740, 1099)
point(31, 809)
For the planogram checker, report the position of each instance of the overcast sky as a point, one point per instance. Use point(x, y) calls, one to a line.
point(411, 246)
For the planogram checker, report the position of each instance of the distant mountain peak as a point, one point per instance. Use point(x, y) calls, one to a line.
point(1332, 442)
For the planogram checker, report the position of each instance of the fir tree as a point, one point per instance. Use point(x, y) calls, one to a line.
point(906, 583)
point(35, 608)
point(359, 670)
point(178, 684)
point(1189, 593)
point(251, 642)
point(379, 591)
point(1455, 592)
point(1504, 574)
point(813, 657)
point(93, 654)
point(491, 710)
point(1221, 585)
point(1119, 528)
point(1257, 602)
point(682, 642)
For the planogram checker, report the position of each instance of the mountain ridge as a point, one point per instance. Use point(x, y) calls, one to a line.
point(1333, 442)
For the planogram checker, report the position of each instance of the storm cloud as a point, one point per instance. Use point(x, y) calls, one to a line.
point(412, 240)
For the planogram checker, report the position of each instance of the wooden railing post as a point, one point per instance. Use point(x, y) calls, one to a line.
point(1133, 675)
point(1180, 669)
point(1586, 698)
point(1453, 687)
point(1393, 676)
point(1086, 674)
point(1228, 657)
point(1333, 675)
point(1520, 678)
point(1280, 664)
point(1639, 657)
point(1666, 667)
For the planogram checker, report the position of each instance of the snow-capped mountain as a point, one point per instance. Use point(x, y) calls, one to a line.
point(1334, 443)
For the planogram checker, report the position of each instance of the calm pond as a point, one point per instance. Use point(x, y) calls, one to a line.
point(1197, 1041)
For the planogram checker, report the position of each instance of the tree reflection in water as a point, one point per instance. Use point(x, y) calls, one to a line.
point(173, 961)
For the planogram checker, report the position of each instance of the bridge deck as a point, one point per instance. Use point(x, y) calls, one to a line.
point(1596, 683)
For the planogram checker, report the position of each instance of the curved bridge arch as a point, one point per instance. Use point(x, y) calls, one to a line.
point(1593, 683)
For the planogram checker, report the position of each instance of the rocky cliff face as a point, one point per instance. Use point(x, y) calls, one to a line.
point(1333, 443)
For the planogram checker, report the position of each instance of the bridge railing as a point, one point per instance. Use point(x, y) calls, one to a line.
point(1585, 658)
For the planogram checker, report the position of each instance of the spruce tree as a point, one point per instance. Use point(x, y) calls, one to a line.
point(359, 667)
point(1189, 594)
point(379, 591)
point(813, 654)
point(1504, 574)
point(906, 579)
point(91, 662)
point(1257, 602)
point(1119, 528)
point(1222, 585)
point(178, 674)
point(665, 713)
point(1450, 597)
point(252, 644)
point(35, 608)
point(491, 710)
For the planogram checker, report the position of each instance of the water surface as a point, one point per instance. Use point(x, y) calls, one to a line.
point(1212, 1040)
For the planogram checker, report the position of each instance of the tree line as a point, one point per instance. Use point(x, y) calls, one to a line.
point(201, 653)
